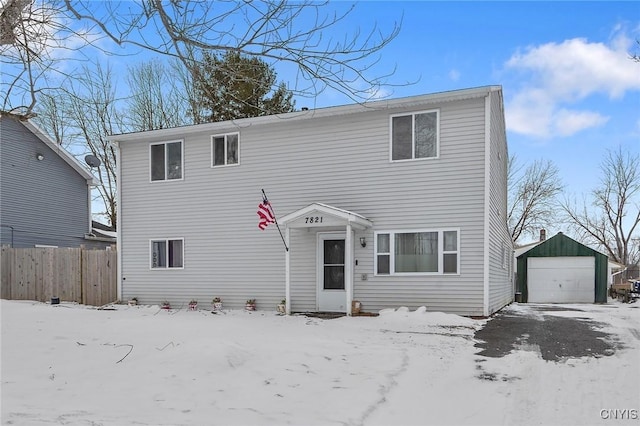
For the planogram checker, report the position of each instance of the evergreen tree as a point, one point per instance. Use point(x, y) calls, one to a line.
point(234, 86)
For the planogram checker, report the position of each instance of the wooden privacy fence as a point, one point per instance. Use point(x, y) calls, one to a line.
point(71, 274)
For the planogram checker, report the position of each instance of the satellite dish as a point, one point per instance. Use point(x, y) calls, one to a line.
point(92, 160)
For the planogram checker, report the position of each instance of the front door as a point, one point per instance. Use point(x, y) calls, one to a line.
point(331, 292)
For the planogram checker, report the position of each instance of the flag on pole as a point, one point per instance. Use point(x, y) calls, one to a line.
point(267, 216)
point(265, 212)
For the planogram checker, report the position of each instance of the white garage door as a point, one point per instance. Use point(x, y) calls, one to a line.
point(561, 279)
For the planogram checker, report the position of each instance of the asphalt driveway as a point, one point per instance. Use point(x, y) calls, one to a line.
point(540, 328)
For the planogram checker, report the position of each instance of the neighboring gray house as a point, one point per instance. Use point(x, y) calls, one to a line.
point(45, 193)
point(392, 203)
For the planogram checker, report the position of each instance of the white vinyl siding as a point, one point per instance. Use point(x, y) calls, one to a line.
point(165, 161)
point(421, 252)
point(225, 150)
point(340, 160)
point(501, 283)
point(415, 136)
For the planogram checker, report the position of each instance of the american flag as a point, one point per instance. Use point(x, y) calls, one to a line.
point(265, 212)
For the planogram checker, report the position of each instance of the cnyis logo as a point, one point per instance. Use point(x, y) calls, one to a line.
point(619, 414)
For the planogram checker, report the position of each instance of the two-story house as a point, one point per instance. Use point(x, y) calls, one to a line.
point(45, 193)
point(391, 203)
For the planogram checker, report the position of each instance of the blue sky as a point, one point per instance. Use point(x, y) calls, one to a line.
point(570, 90)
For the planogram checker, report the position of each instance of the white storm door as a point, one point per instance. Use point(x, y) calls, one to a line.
point(331, 272)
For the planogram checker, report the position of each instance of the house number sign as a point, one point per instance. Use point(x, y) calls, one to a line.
point(313, 219)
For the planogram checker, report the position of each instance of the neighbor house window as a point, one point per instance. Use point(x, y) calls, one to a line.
point(417, 252)
point(415, 135)
point(224, 149)
point(167, 253)
point(166, 161)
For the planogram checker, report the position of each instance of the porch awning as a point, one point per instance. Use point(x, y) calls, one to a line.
point(318, 215)
point(322, 215)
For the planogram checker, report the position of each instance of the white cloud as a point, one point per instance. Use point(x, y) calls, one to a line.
point(454, 75)
point(567, 122)
point(559, 76)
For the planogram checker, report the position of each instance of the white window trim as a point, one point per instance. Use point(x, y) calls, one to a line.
point(166, 162)
point(225, 149)
point(441, 252)
point(413, 135)
point(166, 268)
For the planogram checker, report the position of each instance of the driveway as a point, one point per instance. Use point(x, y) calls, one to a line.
point(556, 332)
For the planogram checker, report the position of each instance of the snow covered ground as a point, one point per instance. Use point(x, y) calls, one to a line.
point(72, 364)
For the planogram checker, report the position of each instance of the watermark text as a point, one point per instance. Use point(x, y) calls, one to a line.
point(619, 414)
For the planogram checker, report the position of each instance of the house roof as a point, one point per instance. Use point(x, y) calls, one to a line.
point(525, 248)
point(59, 150)
point(102, 232)
point(411, 101)
point(615, 265)
point(560, 245)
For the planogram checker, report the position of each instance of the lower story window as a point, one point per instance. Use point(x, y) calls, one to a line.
point(417, 252)
point(167, 253)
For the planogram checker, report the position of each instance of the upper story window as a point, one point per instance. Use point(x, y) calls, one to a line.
point(225, 149)
point(166, 160)
point(167, 253)
point(415, 135)
point(417, 252)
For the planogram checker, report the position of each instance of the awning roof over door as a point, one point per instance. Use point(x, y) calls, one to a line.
point(322, 215)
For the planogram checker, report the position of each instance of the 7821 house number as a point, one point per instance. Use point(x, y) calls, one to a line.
point(313, 219)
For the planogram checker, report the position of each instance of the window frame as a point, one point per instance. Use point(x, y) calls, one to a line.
point(166, 241)
point(391, 253)
point(166, 153)
point(413, 135)
point(226, 145)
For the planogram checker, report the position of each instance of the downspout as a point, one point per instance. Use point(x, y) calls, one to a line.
point(119, 244)
point(90, 186)
point(287, 273)
point(348, 273)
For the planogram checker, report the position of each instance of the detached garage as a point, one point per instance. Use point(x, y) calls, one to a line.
point(561, 270)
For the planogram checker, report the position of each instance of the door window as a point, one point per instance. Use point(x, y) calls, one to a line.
point(333, 264)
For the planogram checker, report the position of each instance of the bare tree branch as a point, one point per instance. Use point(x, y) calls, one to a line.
point(91, 110)
point(157, 100)
point(300, 34)
point(532, 196)
point(611, 219)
